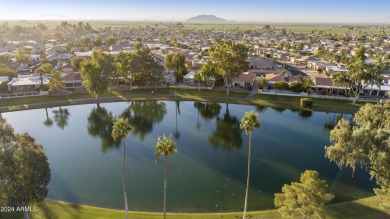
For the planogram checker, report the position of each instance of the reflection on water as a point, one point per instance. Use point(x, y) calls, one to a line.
point(49, 121)
point(100, 123)
point(87, 167)
point(143, 115)
point(227, 132)
point(61, 117)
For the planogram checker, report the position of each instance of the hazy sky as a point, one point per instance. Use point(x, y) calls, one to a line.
point(179, 10)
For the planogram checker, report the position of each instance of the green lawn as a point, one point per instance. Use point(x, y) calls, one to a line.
point(274, 101)
point(322, 105)
point(49, 209)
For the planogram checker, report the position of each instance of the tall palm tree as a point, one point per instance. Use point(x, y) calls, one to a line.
point(249, 122)
point(121, 129)
point(165, 146)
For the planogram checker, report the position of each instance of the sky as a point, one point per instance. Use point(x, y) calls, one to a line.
point(306, 11)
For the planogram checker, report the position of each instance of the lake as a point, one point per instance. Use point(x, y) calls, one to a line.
point(207, 174)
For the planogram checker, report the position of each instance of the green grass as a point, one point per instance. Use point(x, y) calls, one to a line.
point(50, 209)
point(323, 105)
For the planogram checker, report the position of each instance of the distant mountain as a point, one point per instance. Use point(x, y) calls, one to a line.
point(207, 19)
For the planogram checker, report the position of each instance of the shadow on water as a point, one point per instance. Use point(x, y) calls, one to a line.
point(66, 192)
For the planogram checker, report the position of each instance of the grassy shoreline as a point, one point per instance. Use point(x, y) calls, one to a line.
point(35, 102)
point(362, 208)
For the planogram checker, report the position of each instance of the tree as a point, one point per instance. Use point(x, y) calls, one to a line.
point(75, 61)
point(23, 55)
point(165, 146)
point(207, 73)
point(120, 130)
point(249, 122)
point(6, 71)
point(24, 169)
point(296, 86)
point(149, 69)
point(307, 83)
point(112, 39)
point(98, 40)
point(362, 74)
point(230, 60)
point(281, 85)
point(364, 142)
point(42, 28)
point(97, 73)
point(340, 80)
point(44, 69)
point(176, 61)
point(308, 197)
point(56, 81)
point(126, 66)
point(263, 83)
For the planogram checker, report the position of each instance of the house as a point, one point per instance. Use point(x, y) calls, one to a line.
point(80, 49)
point(326, 86)
point(330, 69)
point(67, 68)
point(189, 78)
point(256, 62)
point(244, 79)
point(87, 54)
point(27, 82)
point(61, 56)
point(56, 50)
point(72, 79)
point(273, 78)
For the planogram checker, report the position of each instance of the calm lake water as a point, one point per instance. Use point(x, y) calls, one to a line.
point(209, 171)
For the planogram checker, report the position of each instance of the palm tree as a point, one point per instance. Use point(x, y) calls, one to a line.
point(165, 146)
point(121, 129)
point(248, 123)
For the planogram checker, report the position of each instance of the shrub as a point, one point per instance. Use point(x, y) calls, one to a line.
point(296, 87)
point(306, 102)
point(281, 85)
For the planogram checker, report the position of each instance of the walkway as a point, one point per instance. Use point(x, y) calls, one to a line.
point(253, 92)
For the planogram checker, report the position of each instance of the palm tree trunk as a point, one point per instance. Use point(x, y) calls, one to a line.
point(165, 186)
point(247, 178)
point(123, 178)
point(25, 214)
point(227, 88)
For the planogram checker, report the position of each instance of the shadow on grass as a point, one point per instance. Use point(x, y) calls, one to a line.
point(355, 210)
point(50, 209)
